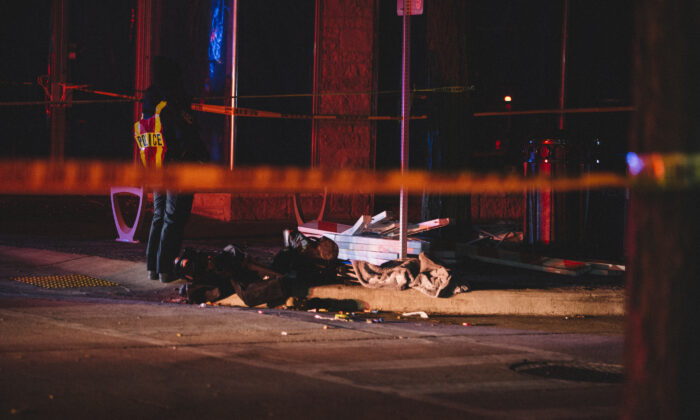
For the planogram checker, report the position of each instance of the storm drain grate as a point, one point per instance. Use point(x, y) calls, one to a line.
point(572, 370)
point(65, 281)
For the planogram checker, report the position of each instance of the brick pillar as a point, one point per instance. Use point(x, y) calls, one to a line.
point(345, 63)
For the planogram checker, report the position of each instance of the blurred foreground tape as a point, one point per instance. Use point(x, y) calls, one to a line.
point(667, 171)
point(96, 177)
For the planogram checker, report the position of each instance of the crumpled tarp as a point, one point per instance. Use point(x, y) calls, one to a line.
point(420, 273)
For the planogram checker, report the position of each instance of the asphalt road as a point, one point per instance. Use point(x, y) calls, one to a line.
point(128, 353)
point(81, 357)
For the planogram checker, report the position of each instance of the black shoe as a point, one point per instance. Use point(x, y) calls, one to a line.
point(166, 277)
point(152, 275)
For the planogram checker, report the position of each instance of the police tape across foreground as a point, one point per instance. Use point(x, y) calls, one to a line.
point(96, 177)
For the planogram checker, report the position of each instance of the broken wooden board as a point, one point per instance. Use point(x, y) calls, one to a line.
point(383, 228)
point(393, 248)
point(606, 269)
point(382, 223)
point(526, 260)
point(374, 250)
point(318, 228)
point(381, 217)
point(358, 227)
point(414, 229)
point(377, 258)
point(393, 244)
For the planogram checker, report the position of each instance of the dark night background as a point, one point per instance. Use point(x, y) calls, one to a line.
point(514, 49)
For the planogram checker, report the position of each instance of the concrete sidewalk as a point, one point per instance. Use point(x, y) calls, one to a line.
point(560, 297)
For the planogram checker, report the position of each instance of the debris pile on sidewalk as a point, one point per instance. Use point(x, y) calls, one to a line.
point(373, 239)
point(313, 256)
point(488, 252)
point(215, 275)
point(372, 245)
point(502, 244)
point(420, 273)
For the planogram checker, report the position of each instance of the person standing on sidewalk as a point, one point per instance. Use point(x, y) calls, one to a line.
point(167, 132)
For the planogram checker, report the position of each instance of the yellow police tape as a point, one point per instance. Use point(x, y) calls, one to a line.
point(444, 89)
point(248, 112)
point(96, 177)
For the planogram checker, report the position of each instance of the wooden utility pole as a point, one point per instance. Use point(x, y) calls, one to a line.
point(662, 338)
point(405, 121)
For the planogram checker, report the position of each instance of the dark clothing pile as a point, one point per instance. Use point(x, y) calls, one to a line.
point(213, 275)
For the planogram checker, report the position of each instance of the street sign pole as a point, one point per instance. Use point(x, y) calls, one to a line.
point(405, 119)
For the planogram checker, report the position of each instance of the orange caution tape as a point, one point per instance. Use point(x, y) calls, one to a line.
point(557, 111)
point(96, 177)
point(248, 112)
point(444, 89)
point(103, 93)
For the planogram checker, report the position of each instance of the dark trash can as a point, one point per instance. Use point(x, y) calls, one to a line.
point(552, 218)
point(603, 211)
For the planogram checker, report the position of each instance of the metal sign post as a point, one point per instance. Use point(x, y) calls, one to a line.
point(233, 103)
point(405, 119)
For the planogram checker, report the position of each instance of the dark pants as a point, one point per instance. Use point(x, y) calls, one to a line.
point(170, 214)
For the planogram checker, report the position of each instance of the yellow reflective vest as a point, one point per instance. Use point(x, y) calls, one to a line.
point(148, 133)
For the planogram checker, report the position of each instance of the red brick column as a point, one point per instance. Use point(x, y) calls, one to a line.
point(345, 63)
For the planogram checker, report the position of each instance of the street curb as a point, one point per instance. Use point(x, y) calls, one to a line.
point(552, 302)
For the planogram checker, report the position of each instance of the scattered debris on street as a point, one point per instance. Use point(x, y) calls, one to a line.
point(419, 313)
